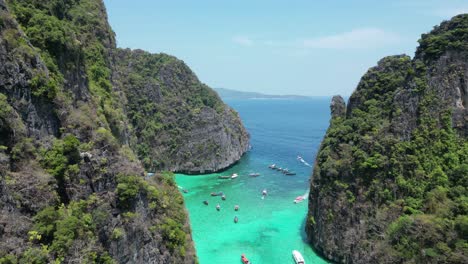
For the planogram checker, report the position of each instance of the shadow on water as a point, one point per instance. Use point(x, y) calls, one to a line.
point(244, 157)
point(307, 241)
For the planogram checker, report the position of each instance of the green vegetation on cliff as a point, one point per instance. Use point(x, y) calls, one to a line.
point(169, 108)
point(391, 177)
point(160, 101)
point(73, 113)
point(73, 39)
point(452, 35)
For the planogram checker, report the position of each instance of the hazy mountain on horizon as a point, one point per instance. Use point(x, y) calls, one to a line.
point(234, 94)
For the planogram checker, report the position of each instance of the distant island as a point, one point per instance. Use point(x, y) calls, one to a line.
point(234, 94)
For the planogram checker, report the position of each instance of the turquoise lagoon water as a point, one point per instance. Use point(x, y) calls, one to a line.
point(268, 229)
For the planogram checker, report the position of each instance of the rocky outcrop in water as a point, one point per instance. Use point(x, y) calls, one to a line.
point(390, 179)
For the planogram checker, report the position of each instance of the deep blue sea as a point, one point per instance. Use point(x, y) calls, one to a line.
point(270, 228)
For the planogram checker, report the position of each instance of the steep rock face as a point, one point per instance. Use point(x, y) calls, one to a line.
point(181, 124)
point(390, 179)
point(19, 65)
point(71, 188)
point(338, 107)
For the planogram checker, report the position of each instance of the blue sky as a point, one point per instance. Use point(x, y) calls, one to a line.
point(278, 47)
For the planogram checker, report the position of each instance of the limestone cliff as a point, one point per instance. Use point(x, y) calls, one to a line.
point(390, 180)
point(181, 124)
point(71, 188)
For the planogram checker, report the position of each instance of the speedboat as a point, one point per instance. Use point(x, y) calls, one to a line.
point(299, 199)
point(244, 259)
point(216, 194)
point(218, 207)
point(264, 192)
point(298, 258)
point(224, 177)
point(205, 202)
point(236, 208)
point(223, 197)
point(236, 219)
point(233, 176)
point(254, 174)
point(290, 173)
point(272, 166)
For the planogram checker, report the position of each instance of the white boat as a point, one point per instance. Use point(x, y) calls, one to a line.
point(299, 199)
point(298, 257)
point(233, 176)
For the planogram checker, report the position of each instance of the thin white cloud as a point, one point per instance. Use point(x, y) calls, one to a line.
point(450, 12)
point(360, 38)
point(280, 44)
point(242, 40)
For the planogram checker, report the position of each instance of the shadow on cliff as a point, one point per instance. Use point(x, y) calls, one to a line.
point(243, 157)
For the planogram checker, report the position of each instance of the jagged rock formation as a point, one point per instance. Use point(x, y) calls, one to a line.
point(390, 181)
point(172, 113)
point(338, 107)
point(71, 188)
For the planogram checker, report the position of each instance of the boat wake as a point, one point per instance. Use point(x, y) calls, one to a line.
point(182, 189)
point(301, 198)
point(299, 158)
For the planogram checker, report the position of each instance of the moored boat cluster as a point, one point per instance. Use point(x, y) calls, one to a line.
point(296, 255)
point(285, 171)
